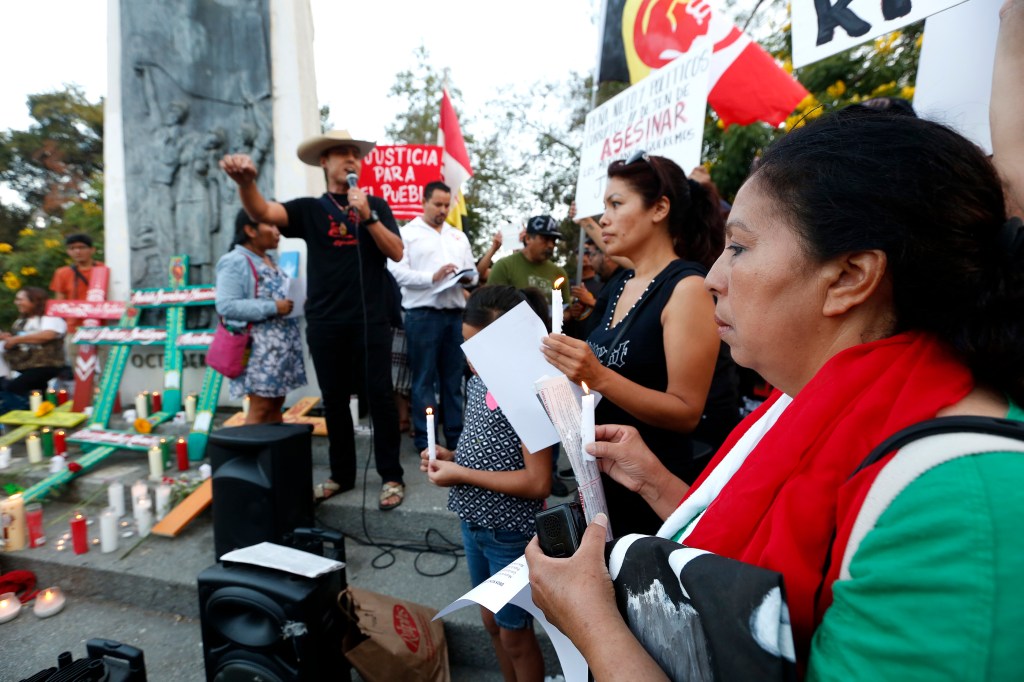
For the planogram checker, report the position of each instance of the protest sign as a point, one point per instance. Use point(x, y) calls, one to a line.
point(397, 174)
point(822, 28)
point(662, 114)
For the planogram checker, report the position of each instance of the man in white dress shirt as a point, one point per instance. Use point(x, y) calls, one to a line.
point(436, 263)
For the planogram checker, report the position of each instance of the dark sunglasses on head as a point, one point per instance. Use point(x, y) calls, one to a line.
point(638, 155)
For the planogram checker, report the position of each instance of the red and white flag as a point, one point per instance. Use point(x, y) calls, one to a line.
point(455, 168)
point(746, 84)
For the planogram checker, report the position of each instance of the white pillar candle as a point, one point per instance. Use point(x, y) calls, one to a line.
point(108, 529)
point(35, 399)
point(141, 408)
point(246, 401)
point(156, 463)
point(115, 497)
point(190, 407)
point(139, 491)
point(5, 456)
point(35, 449)
point(12, 523)
point(556, 306)
point(144, 517)
point(353, 408)
point(431, 438)
point(587, 426)
point(58, 464)
point(163, 500)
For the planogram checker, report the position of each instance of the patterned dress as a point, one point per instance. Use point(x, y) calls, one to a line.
point(275, 364)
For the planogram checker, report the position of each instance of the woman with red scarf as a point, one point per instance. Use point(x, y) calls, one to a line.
point(872, 276)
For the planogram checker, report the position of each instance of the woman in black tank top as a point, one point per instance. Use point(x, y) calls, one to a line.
point(654, 352)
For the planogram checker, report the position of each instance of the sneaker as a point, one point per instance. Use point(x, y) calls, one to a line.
point(558, 488)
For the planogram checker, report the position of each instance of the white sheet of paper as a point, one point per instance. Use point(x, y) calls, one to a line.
point(511, 585)
point(297, 293)
point(282, 558)
point(506, 355)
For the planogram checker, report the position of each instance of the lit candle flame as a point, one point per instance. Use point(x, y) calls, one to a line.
point(586, 389)
point(181, 439)
point(3, 603)
point(48, 595)
point(558, 282)
point(430, 410)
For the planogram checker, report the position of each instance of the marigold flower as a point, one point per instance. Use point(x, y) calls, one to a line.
point(28, 271)
point(11, 281)
point(27, 232)
point(142, 425)
point(5, 247)
point(51, 243)
point(44, 409)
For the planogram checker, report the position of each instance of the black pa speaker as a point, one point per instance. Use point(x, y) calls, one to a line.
point(262, 625)
point(262, 483)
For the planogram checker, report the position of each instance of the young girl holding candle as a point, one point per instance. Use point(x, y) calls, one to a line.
point(496, 489)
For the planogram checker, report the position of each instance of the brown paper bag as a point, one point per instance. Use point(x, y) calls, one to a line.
point(391, 639)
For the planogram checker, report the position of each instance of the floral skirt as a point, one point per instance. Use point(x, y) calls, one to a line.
point(275, 364)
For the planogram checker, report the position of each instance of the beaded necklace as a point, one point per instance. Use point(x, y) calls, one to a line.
point(615, 303)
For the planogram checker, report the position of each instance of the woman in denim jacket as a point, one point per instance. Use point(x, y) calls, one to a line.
point(253, 290)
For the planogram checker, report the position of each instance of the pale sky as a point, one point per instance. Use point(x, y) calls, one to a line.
point(358, 49)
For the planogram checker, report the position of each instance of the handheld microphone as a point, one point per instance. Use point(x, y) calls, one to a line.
point(353, 180)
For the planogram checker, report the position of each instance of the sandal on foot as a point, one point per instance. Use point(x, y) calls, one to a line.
point(389, 490)
point(325, 490)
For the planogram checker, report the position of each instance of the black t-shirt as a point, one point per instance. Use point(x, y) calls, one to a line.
point(334, 295)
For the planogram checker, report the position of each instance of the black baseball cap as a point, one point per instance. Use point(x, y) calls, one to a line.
point(543, 225)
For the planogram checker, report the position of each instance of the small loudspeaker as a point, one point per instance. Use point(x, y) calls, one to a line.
point(262, 483)
point(262, 625)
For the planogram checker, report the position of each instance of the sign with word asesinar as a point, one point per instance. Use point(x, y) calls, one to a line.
point(822, 28)
point(397, 174)
point(662, 115)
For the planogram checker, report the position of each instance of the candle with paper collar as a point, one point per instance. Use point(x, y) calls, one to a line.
point(587, 426)
point(156, 463)
point(115, 497)
point(60, 442)
point(556, 306)
point(190, 407)
point(62, 396)
point(156, 401)
point(35, 448)
point(51, 396)
point(108, 530)
point(35, 399)
point(181, 451)
point(141, 406)
point(431, 438)
point(79, 534)
point(46, 439)
point(12, 518)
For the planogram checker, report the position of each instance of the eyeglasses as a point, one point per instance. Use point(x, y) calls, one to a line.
point(638, 155)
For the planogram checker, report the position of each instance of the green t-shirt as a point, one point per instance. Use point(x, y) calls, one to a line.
point(520, 273)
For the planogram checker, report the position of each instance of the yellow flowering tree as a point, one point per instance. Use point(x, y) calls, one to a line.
point(885, 67)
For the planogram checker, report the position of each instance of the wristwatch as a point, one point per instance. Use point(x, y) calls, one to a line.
point(374, 218)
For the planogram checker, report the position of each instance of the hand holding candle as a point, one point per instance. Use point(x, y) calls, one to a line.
point(431, 437)
point(556, 306)
point(587, 426)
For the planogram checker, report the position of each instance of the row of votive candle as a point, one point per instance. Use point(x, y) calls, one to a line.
point(45, 442)
point(53, 396)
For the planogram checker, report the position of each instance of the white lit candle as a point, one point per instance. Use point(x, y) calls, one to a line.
point(5, 457)
point(190, 407)
point(12, 521)
point(115, 497)
point(246, 401)
point(35, 399)
point(144, 517)
point(35, 449)
point(139, 491)
point(587, 426)
point(163, 500)
point(10, 606)
point(141, 406)
point(49, 602)
point(156, 463)
point(431, 438)
point(108, 529)
point(556, 306)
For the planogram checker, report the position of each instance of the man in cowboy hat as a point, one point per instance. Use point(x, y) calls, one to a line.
point(350, 237)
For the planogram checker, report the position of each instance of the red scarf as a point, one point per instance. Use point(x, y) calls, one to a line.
point(779, 510)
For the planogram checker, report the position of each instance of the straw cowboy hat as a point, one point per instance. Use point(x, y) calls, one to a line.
point(311, 149)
